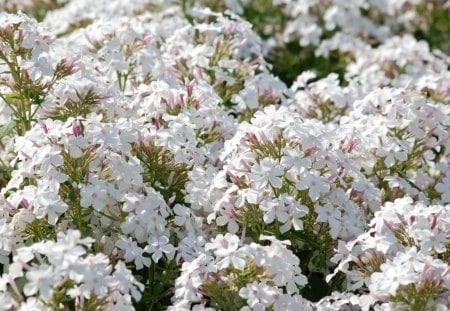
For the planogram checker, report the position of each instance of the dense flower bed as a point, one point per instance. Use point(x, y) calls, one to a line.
point(224, 155)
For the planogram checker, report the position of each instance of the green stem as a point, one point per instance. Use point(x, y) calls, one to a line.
point(151, 283)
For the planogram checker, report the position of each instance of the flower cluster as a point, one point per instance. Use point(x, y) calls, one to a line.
point(285, 155)
point(250, 276)
point(59, 273)
point(403, 257)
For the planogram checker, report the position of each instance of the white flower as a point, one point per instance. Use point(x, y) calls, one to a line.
point(159, 246)
point(274, 209)
point(259, 296)
point(34, 304)
point(391, 277)
point(126, 281)
point(226, 249)
point(443, 187)
point(296, 212)
point(181, 214)
point(365, 187)
point(41, 280)
point(49, 204)
point(136, 225)
point(392, 153)
point(96, 275)
point(432, 240)
point(268, 171)
point(315, 185)
point(37, 68)
point(95, 195)
point(133, 253)
point(294, 158)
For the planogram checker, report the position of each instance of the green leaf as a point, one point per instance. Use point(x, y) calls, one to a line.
point(10, 97)
point(6, 129)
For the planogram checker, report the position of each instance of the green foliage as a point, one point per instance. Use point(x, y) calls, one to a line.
point(162, 172)
point(80, 108)
point(159, 280)
point(223, 289)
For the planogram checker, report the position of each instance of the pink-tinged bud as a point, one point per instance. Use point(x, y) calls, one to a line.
point(27, 156)
point(244, 142)
point(233, 177)
point(157, 124)
point(430, 131)
point(106, 96)
point(395, 192)
point(197, 105)
point(9, 205)
point(28, 175)
point(189, 89)
point(218, 82)
point(25, 204)
point(251, 138)
point(44, 127)
point(254, 61)
point(121, 253)
point(264, 138)
point(434, 222)
point(213, 125)
point(20, 35)
point(359, 263)
point(181, 96)
point(246, 166)
point(361, 196)
point(310, 151)
point(407, 85)
point(76, 129)
point(47, 38)
point(402, 219)
point(13, 284)
point(199, 73)
point(332, 177)
point(170, 103)
point(372, 256)
point(341, 170)
point(11, 211)
point(389, 225)
point(38, 256)
point(429, 115)
point(73, 68)
point(242, 240)
point(217, 163)
point(76, 190)
point(352, 144)
point(443, 274)
point(140, 138)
